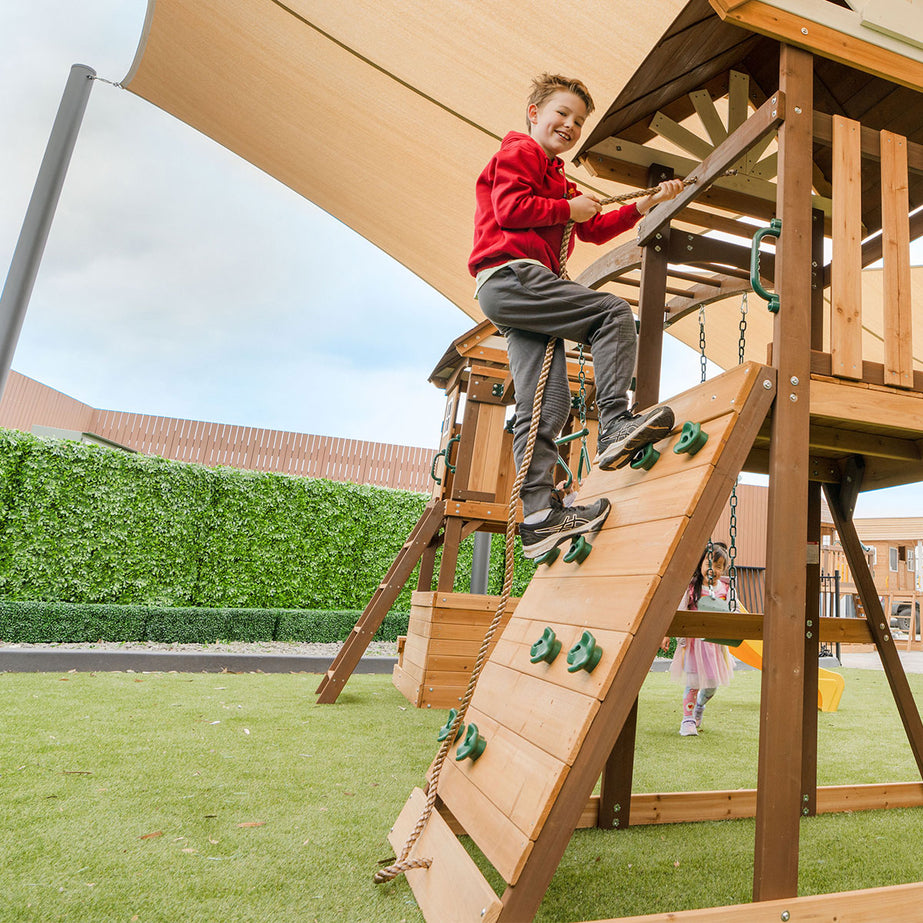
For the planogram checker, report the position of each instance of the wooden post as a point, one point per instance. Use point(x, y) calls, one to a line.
point(782, 703)
point(651, 305)
point(811, 653)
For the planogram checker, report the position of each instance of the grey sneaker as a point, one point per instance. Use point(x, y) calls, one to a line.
point(561, 524)
point(687, 728)
point(630, 432)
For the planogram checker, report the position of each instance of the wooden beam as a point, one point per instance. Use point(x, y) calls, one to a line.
point(766, 119)
point(787, 26)
point(654, 260)
point(899, 902)
point(781, 705)
point(873, 373)
point(869, 141)
point(748, 626)
point(878, 623)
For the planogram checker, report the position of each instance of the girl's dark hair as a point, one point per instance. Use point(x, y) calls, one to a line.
point(718, 550)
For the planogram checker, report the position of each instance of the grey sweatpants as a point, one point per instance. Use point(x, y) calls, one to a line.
point(530, 304)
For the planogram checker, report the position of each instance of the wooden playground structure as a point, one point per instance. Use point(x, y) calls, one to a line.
point(821, 113)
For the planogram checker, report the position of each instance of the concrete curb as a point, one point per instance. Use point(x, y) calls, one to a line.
point(86, 661)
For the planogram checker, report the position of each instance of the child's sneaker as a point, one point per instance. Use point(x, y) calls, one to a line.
point(629, 433)
point(698, 713)
point(561, 524)
point(687, 728)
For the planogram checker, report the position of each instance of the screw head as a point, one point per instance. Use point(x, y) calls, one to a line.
point(767, 384)
point(785, 916)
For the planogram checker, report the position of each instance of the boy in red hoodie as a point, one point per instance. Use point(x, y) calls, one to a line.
point(524, 202)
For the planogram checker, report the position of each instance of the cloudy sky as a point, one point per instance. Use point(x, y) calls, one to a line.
point(180, 280)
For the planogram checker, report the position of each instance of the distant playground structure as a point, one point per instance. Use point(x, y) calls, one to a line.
point(786, 99)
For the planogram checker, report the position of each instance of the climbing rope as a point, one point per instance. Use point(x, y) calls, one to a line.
point(403, 862)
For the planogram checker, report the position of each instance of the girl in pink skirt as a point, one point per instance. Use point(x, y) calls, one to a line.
point(700, 665)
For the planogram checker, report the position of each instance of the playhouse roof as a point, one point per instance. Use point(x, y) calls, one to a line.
point(382, 114)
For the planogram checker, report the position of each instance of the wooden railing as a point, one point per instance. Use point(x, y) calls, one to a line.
point(851, 143)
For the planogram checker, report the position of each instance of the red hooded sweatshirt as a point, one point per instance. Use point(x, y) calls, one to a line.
point(522, 209)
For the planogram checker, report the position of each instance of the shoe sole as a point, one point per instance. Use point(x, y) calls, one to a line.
point(619, 454)
point(545, 545)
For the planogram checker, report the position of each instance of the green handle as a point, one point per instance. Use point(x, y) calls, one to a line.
point(472, 746)
point(546, 648)
point(584, 655)
point(446, 729)
point(774, 230)
point(444, 453)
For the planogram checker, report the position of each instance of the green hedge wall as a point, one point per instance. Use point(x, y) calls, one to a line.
point(90, 525)
point(64, 623)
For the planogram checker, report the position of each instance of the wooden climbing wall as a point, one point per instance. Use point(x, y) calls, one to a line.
point(549, 732)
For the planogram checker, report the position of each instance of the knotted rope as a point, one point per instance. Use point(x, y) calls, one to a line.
point(403, 862)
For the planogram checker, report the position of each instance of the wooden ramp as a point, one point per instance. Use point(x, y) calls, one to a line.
point(549, 732)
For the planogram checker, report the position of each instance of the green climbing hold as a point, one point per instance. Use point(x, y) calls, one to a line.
point(447, 727)
point(579, 550)
point(546, 648)
point(691, 439)
point(645, 457)
point(549, 556)
point(584, 655)
point(472, 746)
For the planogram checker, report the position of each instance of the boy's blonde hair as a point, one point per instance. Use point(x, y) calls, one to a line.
point(546, 85)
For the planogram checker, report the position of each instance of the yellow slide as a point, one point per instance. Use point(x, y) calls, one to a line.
point(830, 685)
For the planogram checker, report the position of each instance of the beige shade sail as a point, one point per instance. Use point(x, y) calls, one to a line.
point(383, 114)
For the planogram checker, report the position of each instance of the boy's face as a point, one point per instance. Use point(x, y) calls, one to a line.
point(557, 123)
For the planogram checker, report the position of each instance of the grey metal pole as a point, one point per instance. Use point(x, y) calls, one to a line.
point(28, 253)
point(480, 563)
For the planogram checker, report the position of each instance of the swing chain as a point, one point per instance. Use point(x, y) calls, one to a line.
point(702, 359)
point(742, 342)
point(732, 551)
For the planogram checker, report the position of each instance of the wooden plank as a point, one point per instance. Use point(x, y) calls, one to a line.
point(452, 888)
point(899, 902)
point(739, 804)
point(782, 679)
point(551, 717)
point(589, 601)
point(858, 406)
point(897, 306)
point(846, 265)
point(488, 442)
point(406, 683)
point(513, 651)
point(520, 780)
point(506, 847)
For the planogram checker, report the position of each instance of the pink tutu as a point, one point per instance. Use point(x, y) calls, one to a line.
point(700, 664)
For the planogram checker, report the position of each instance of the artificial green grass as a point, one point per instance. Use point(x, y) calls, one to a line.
point(185, 797)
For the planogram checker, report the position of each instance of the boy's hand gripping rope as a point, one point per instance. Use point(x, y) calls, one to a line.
point(404, 863)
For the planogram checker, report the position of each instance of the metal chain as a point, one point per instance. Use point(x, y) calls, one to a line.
point(742, 342)
point(732, 526)
point(702, 359)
